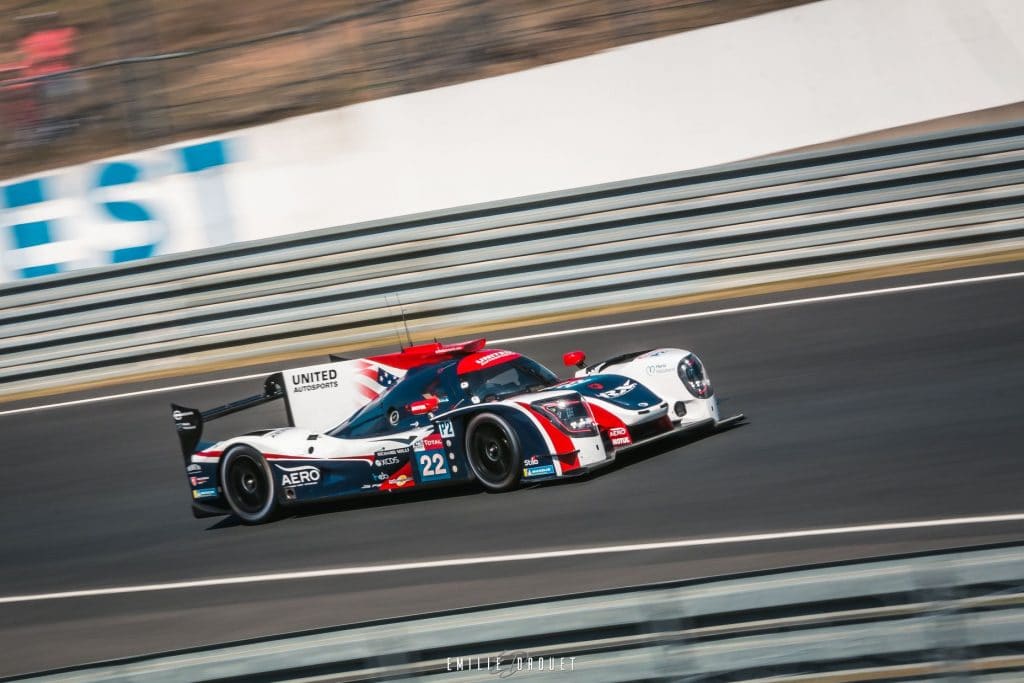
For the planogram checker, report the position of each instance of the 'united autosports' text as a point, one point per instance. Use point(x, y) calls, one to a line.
point(311, 381)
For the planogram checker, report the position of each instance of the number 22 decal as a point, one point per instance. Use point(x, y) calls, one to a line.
point(432, 465)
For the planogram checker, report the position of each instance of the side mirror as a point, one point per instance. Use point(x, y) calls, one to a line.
point(577, 358)
point(427, 405)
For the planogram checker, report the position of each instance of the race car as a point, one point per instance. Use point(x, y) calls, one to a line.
point(439, 415)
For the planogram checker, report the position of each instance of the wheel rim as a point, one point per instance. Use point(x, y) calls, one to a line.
point(247, 485)
point(494, 452)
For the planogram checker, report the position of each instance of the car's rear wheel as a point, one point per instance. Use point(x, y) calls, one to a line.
point(248, 485)
point(494, 452)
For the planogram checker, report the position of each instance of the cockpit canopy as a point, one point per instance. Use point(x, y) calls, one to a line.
point(516, 376)
point(454, 383)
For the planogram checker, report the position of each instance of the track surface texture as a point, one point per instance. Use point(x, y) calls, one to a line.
point(903, 406)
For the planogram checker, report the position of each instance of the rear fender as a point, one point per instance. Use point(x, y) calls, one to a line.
point(203, 473)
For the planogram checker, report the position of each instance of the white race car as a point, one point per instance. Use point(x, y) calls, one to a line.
point(435, 415)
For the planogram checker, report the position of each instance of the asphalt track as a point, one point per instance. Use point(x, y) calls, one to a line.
point(898, 407)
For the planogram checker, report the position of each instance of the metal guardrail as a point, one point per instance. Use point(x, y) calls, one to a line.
point(916, 617)
point(753, 222)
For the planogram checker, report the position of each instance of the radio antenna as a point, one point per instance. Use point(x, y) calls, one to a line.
point(398, 336)
point(405, 323)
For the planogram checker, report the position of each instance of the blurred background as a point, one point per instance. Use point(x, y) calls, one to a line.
point(97, 77)
point(824, 199)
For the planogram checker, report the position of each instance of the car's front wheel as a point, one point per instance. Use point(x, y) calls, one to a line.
point(248, 485)
point(494, 453)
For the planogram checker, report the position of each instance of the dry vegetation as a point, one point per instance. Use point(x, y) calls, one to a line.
point(381, 49)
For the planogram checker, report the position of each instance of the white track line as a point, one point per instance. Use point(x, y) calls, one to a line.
point(577, 330)
point(517, 557)
point(764, 307)
point(143, 392)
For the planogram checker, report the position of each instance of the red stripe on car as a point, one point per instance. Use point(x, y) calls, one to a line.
point(561, 442)
point(569, 461)
point(611, 425)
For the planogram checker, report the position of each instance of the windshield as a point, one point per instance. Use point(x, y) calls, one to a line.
point(389, 412)
point(517, 376)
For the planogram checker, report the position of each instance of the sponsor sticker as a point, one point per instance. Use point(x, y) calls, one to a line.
point(619, 436)
point(193, 468)
point(532, 460)
point(489, 358)
point(658, 369)
point(620, 390)
point(391, 456)
point(383, 453)
point(433, 443)
point(401, 480)
point(300, 475)
point(204, 493)
point(314, 380)
point(539, 471)
point(198, 481)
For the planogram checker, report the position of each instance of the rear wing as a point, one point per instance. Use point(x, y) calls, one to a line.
point(188, 422)
point(316, 397)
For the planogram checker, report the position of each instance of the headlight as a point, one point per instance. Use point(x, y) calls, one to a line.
point(692, 374)
point(568, 413)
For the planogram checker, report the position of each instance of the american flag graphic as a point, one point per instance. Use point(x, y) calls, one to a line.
point(372, 380)
point(385, 378)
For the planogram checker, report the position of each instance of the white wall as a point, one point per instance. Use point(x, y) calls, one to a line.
point(773, 82)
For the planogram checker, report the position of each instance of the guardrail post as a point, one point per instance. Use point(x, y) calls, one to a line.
point(938, 586)
point(668, 622)
point(399, 648)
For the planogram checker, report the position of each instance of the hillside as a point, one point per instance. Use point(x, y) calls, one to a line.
point(333, 54)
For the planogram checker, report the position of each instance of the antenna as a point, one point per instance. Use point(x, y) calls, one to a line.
point(391, 308)
point(405, 323)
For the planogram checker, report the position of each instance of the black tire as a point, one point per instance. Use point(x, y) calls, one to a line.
point(248, 485)
point(493, 452)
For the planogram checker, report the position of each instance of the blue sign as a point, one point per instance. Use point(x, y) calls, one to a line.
point(38, 240)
